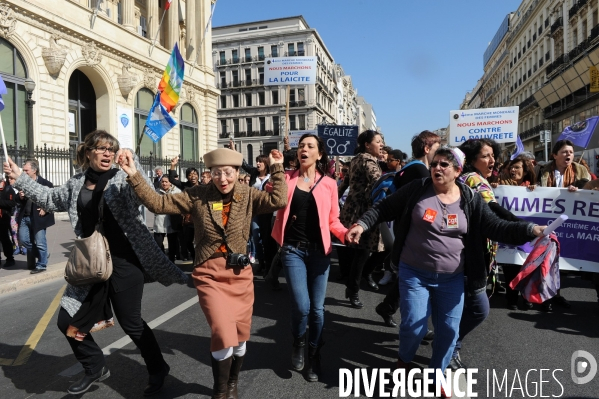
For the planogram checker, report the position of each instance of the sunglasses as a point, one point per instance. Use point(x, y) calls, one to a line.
point(444, 164)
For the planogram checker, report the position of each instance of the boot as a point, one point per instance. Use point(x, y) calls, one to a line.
point(220, 371)
point(234, 376)
point(297, 354)
point(385, 311)
point(313, 368)
point(354, 299)
point(88, 379)
point(30, 260)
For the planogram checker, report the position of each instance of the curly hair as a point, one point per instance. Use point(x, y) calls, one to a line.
point(471, 148)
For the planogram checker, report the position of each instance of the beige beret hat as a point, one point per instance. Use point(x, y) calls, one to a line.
point(223, 157)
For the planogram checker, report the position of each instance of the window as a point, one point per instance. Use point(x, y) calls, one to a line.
point(261, 75)
point(189, 133)
point(248, 77)
point(223, 128)
point(14, 116)
point(236, 127)
point(143, 102)
point(248, 99)
point(291, 49)
point(274, 51)
point(291, 95)
point(250, 154)
point(223, 102)
point(235, 100)
point(235, 55)
point(275, 125)
point(275, 97)
point(235, 78)
point(262, 121)
point(261, 98)
point(292, 122)
point(302, 122)
point(300, 49)
point(248, 124)
point(248, 55)
point(260, 53)
point(223, 79)
point(300, 95)
point(223, 60)
point(142, 24)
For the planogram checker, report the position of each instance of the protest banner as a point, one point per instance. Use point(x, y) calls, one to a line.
point(499, 124)
point(578, 236)
point(339, 140)
point(295, 135)
point(289, 71)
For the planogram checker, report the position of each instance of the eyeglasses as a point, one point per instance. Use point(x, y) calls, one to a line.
point(103, 150)
point(218, 173)
point(443, 164)
point(392, 160)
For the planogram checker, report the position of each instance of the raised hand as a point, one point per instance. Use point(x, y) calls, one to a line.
point(125, 160)
point(275, 156)
point(174, 162)
point(11, 169)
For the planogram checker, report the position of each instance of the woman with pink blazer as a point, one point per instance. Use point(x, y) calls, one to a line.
point(303, 230)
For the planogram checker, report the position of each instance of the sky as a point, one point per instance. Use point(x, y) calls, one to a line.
point(414, 61)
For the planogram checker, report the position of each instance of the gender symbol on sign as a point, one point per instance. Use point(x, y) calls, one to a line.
point(331, 144)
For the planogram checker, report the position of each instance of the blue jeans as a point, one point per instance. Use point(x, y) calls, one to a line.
point(424, 294)
point(257, 245)
point(476, 310)
point(37, 242)
point(307, 273)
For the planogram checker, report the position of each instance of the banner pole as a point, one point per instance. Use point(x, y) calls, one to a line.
point(287, 114)
point(4, 141)
point(157, 32)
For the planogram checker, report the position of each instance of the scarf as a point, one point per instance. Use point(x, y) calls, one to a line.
point(569, 176)
point(100, 179)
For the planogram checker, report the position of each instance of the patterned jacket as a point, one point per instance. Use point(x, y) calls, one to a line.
point(124, 205)
point(204, 202)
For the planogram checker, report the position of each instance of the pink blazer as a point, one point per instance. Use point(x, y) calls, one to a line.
point(327, 202)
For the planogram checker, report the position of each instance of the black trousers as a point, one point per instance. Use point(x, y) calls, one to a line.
point(391, 302)
point(127, 309)
point(173, 244)
point(187, 247)
point(375, 259)
point(509, 273)
point(269, 245)
point(5, 240)
point(359, 257)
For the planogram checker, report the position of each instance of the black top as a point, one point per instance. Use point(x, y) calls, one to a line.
point(306, 227)
point(417, 170)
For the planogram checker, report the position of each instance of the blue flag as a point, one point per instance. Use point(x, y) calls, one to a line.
point(580, 133)
point(159, 121)
point(519, 148)
point(2, 91)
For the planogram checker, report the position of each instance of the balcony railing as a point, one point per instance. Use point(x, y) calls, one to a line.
point(290, 53)
point(222, 61)
point(222, 85)
point(235, 60)
point(558, 24)
point(529, 101)
point(562, 59)
point(573, 10)
point(535, 131)
point(297, 103)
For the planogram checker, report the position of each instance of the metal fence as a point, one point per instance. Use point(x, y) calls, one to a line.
point(57, 164)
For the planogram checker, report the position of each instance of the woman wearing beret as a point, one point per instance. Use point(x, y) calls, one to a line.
point(221, 214)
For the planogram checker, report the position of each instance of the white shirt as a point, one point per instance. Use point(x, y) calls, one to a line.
point(260, 181)
point(559, 178)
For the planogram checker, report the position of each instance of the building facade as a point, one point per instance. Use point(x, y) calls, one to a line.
point(253, 114)
point(87, 66)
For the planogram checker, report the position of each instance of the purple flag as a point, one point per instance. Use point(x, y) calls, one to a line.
point(519, 149)
point(2, 91)
point(580, 133)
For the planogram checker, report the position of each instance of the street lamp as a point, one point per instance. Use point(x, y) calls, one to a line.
point(29, 87)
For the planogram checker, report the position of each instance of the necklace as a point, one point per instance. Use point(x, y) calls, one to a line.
point(307, 179)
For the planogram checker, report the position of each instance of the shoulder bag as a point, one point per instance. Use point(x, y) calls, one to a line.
point(90, 261)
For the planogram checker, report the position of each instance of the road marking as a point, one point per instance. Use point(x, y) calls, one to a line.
point(120, 343)
point(37, 333)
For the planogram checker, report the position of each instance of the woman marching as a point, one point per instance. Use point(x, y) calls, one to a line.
point(221, 213)
point(135, 257)
point(303, 230)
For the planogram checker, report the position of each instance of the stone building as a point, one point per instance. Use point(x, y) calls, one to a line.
point(88, 66)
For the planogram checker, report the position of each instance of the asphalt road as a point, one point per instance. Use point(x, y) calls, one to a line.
point(509, 344)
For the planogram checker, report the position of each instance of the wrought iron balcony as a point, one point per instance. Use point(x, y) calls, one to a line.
point(558, 24)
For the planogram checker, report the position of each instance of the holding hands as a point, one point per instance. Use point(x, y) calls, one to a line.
point(353, 234)
point(125, 160)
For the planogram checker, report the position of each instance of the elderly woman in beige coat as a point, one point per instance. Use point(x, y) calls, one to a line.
point(221, 213)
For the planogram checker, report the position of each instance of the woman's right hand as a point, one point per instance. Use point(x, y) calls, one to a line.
point(174, 162)
point(125, 160)
point(11, 169)
point(353, 234)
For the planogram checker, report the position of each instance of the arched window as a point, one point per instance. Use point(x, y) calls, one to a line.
point(14, 115)
point(250, 156)
point(143, 102)
point(189, 133)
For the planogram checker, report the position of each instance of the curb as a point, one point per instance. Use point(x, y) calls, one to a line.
point(18, 282)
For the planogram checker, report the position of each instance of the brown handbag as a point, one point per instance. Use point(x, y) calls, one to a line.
point(90, 261)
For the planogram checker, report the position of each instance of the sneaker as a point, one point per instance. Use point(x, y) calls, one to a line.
point(37, 270)
point(386, 278)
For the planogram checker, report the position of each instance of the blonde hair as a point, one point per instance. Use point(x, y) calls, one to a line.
point(91, 141)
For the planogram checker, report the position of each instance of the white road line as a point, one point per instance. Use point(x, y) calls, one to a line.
point(118, 344)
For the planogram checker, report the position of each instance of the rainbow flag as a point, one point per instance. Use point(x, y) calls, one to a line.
point(172, 80)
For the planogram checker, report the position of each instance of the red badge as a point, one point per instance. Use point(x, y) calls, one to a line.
point(452, 221)
point(429, 215)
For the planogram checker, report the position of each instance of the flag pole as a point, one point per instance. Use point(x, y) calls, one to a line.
point(157, 32)
point(4, 141)
point(287, 114)
point(195, 62)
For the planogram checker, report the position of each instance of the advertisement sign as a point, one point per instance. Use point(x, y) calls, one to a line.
point(125, 127)
point(578, 236)
point(289, 71)
point(499, 124)
point(295, 135)
point(339, 139)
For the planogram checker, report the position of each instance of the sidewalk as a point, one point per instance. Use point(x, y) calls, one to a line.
point(60, 241)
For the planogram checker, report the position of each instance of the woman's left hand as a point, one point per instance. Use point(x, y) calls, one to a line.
point(275, 156)
point(538, 230)
point(125, 159)
point(532, 187)
point(571, 188)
